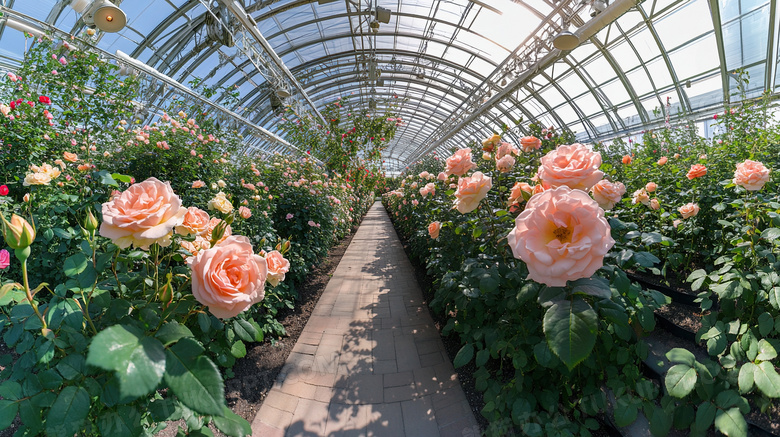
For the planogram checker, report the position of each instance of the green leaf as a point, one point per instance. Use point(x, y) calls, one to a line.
point(765, 324)
point(194, 378)
point(8, 410)
point(705, 414)
point(172, 332)
point(770, 234)
point(126, 422)
point(767, 380)
point(774, 297)
point(696, 274)
point(731, 423)
point(104, 178)
point(679, 355)
point(122, 178)
point(232, 424)
point(238, 349)
point(729, 290)
point(646, 259)
point(464, 355)
point(246, 331)
point(482, 357)
point(746, 377)
point(625, 413)
point(660, 422)
point(67, 414)
point(139, 361)
point(766, 351)
point(593, 286)
point(680, 380)
point(204, 322)
point(570, 328)
point(75, 264)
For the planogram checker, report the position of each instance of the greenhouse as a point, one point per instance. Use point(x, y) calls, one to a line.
point(389, 218)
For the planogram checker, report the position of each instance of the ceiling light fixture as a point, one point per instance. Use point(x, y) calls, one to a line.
point(102, 14)
point(598, 7)
point(566, 40)
point(383, 14)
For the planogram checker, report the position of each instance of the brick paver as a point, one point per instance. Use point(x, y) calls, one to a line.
point(369, 361)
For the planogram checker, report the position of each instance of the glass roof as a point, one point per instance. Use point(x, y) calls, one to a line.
point(461, 67)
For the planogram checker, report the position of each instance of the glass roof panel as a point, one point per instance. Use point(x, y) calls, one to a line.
point(695, 58)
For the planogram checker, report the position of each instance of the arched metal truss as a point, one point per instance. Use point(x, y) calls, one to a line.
point(461, 68)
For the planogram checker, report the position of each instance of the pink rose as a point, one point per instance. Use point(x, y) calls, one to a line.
point(277, 267)
point(696, 171)
point(288, 216)
point(505, 149)
point(505, 164)
point(751, 175)
point(229, 277)
point(607, 193)
point(562, 235)
point(5, 259)
point(471, 190)
point(442, 176)
point(424, 175)
point(530, 143)
point(198, 184)
point(244, 212)
point(689, 210)
point(460, 162)
point(654, 204)
point(144, 214)
point(641, 196)
point(662, 161)
point(196, 222)
point(516, 195)
point(650, 187)
point(574, 165)
point(433, 229)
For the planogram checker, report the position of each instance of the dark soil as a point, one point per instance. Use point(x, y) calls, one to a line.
point(671, 281)
point(684, 316)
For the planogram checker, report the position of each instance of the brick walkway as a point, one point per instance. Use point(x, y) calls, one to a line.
point(370, 361)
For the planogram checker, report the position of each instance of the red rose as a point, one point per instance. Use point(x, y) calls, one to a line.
point(3, 190)
point(45, 100)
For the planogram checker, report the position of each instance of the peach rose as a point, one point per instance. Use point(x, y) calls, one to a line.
point(424, 175)
point(607, 193)
point(194, 247)
point(198, 184)
point(229, 277)
point(471, 191)
point(626, 159)
point(442, 176)
point(689, 210)
point(70, 157)
point(516, 194)
point(460, 163)
point(650, 187)
point(676, 223)
point(244, 212)
point(530, 143)
point(486, 156)
point(195, 222)
point(574, 165)
point(641, 196)
point(654, 204)
point(142, 215)
point(433, 230)
point(505, 164)
point(36, 179)
point(561, 235)
point(696, 171)
point(505, 149)
point(277, 267)
point(676, 155)
point(490, 143)
point(751, 175)
point(662, 161)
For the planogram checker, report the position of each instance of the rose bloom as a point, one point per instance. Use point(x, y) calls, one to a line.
point(36, 179)
point(505, 149)
point(424, 175)
point(676, 155)
point(561, 235)
point(142, 215)
point(530, 143)
point(442, 176)
point(505, 164)
point(198, 184)
point(626, 159)
point(244, 212)
point(194, 247)
point(3, 190)
point(650, 187)
point(228, 278)
point(195, 222)
point(662, 161)
point(676, 223)
point(654, 204)
point(516, 194)
point(607, 193)
point(688, 210)
point(213, 223)
point(471, 191)
point(486, 156)
point(574, 165)
point(277, 267)
point(288, 216)
point(5, 259)
point(70, 157)
point(641, 196)
point(221, 203)
point(696, 171)
point(751, 175)
point(433, 230)
point(490, 143)
point(460, 162)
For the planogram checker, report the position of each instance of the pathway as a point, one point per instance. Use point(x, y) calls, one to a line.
point(370, 361)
